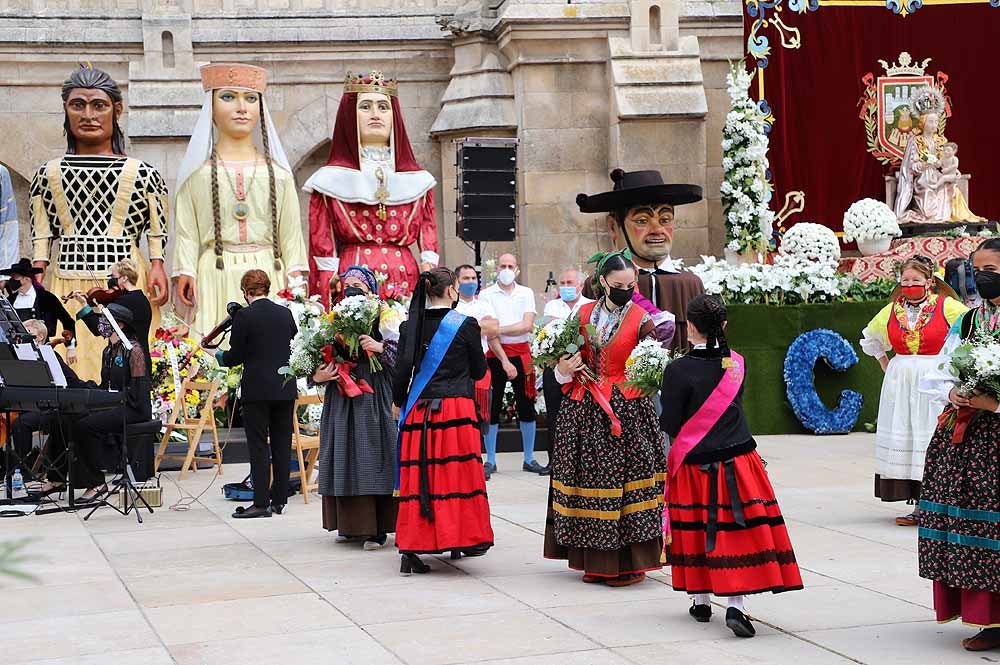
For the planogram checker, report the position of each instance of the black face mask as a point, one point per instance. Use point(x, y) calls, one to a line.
point(619, 296)
point(988, 284)
point(112, 282)
point(353, 291)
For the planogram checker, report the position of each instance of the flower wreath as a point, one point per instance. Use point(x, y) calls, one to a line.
point(800, 364)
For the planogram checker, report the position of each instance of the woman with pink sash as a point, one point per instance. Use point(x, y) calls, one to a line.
point(724, 527)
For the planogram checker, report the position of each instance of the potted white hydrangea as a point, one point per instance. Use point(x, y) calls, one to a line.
point(872, 224)
point(813, 242)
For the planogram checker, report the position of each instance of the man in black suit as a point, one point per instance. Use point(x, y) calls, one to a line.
point(260, 341)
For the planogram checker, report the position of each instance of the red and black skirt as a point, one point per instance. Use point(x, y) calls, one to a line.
point(728, 534)
point(442, 489)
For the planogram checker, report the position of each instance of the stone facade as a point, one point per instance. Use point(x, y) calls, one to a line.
point(585, 86)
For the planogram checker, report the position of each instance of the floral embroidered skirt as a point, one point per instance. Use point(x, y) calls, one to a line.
point(606, 508)
point(442, 489)
point(959, 535)
point(754, 557)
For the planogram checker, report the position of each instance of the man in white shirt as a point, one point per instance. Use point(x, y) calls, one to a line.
point(515, 308)
point(570, 300)
point(481, 311)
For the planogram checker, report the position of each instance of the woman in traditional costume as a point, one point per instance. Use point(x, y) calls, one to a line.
point(372, 201)
point(237, 209)
point(726, 533)
point(605, 516)
point(442, 490)
point(357, 459)
point(914, 326)
point(959, 535)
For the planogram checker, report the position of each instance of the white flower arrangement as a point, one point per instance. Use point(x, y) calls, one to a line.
point(645, 364)
point(790, 280)
point(869, 219)
point(745, 191)
point(811, 242)
point(545, 337)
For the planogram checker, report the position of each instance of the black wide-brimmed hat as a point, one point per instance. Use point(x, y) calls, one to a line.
point(22, 267)
point(633, 188)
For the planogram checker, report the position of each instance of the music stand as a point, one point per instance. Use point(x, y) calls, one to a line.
point(132, 496)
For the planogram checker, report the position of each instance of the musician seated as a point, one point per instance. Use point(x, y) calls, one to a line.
point(123, 289)
point(122, 370)
point(24, 427)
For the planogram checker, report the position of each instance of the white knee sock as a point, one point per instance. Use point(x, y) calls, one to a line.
point(737, 602)
point(702, 599)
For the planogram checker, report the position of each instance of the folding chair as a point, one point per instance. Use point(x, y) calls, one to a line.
point(306, 447)
point(192, 427)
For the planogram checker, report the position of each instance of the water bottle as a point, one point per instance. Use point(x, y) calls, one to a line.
point(17, 485)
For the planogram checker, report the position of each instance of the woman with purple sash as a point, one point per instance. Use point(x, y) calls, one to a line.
point(724, 527)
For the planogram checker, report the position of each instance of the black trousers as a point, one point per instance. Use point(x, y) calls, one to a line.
point(525, 406)
point(91, 435)
point(263, 420)
point(553, 394)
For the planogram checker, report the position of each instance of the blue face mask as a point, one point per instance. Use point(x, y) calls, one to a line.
point(567, 293)
point(468, 289)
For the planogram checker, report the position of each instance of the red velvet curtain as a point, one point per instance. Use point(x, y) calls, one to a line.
point(818, 142)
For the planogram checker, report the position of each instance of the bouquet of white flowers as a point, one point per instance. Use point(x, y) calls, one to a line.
point(351, 318)
point(555, 339)
point(977, 365)
point(869, 219)
point(645, 365)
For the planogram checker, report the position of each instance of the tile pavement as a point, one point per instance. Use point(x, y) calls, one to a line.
point(196, 587)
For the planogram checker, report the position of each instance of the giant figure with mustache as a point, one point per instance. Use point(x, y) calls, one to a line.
point(371, 201)
point(640, 218)
point(98, 204)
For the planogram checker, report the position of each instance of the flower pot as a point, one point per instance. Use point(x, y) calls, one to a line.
point(874, 245)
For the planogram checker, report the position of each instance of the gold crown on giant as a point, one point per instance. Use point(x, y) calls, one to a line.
point(374, 81)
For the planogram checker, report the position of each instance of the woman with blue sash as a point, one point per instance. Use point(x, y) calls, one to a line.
point(441, 486)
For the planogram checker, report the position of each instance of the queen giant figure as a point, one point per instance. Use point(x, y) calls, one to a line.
point(371, 201)
point(927, 188)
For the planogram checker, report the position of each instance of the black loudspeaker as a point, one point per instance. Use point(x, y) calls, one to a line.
point(486, 174)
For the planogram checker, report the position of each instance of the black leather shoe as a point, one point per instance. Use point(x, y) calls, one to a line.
point(738, 622)
point(251, 512)
point(411, 563)
point(701, 613)
point(534, 467)
point(277, 508)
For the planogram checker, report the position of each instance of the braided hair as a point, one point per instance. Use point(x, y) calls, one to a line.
point(708, 314)
point(216, 214)
point(607, 263)
point(432, 283)
point(272, 194)
point(89, 78)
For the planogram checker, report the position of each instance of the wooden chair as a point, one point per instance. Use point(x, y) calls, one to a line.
point(192, 428)
point(306, 447)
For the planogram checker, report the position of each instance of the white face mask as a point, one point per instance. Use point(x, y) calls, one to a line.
point(506, 276)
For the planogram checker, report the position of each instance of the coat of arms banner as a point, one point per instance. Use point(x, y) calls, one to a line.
point(836, 80)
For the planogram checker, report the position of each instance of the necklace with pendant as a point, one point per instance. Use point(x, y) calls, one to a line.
point(241, 210)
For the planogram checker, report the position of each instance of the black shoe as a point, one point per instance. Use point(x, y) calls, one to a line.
point(277, 508)
point(701, 613)
point(476, 551)
point(489, 469)
point(534, 467)
point(738, 622)
point(546, 470)
point(39, 493)
point(411, 563)
point(251, 512)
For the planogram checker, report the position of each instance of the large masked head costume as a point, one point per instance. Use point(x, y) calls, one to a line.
point(372, 200)
point(201, 148)
point(640, 209)
point(88, 78)
point(643, 197)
